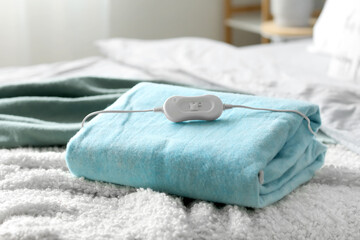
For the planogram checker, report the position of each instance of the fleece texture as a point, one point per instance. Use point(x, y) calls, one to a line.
point(40, 199)
point(218, 161)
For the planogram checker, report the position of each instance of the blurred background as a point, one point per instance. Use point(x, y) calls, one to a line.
point(39, 31)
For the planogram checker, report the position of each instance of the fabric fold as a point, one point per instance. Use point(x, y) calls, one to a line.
point(49, 113)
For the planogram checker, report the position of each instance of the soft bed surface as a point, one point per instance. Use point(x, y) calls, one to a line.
point(212, 160)
point(40, 199)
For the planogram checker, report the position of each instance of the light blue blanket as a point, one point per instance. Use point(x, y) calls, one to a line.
point(221, 161)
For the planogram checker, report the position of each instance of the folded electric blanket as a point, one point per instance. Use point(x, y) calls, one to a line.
point(246, 157)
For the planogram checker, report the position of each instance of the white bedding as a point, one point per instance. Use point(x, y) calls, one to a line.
point(40, 199)
point(92, 66)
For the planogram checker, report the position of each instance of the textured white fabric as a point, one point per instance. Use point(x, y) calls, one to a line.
point(337, 33)
point(40, 199)
point(92, 66)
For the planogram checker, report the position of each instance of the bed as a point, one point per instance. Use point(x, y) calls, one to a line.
point(40, 199)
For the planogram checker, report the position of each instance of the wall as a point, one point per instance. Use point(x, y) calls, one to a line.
point(167, 18)
point(39, 31)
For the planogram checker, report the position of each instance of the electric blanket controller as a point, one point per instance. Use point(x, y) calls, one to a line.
point(179, 108)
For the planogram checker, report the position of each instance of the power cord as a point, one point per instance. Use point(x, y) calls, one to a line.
point(207, 107)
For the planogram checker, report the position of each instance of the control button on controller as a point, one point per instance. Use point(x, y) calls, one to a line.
point(194, 106)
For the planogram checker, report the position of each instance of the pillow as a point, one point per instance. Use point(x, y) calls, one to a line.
point(177, 59)
point(192, 61)
point(337, 33)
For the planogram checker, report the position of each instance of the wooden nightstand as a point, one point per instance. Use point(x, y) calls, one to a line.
point(257, 18)
point(245, 18)
point(270, 30)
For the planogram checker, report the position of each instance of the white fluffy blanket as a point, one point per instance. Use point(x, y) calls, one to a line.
point(40, 199)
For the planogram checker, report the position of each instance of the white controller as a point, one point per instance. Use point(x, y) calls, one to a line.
point(179, 108)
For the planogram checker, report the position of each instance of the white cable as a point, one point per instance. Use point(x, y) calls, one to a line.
point(116, 111)
point(229, 106)
point(207, 107)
